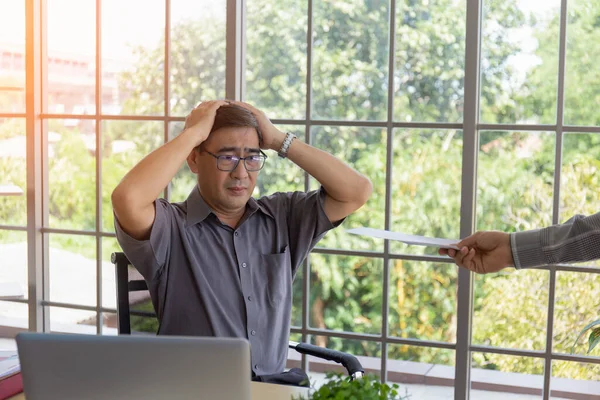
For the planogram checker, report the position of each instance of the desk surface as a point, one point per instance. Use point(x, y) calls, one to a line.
point(260, 391)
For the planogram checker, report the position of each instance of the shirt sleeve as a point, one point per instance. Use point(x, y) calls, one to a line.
point(149, 256)
point(576, 240)
point(307, 223)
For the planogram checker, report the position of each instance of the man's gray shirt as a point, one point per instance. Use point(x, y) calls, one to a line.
point(208, 279)
point(576, 240)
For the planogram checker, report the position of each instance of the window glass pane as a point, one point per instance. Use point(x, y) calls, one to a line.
point(346, 293)
point(141, 302)
point(421, 372)
point(575, 308)
point(197, 55)
point(580, 179)
point(582, 82)
point(515, 180)
point(71, 62)
point(364, 150)
point(510, 309)
point(13, 171)
point(133, 57)
point(124, 144)
point(276, 57)
point(72, 173)
point(506, 377)
point(426, 182)
point(13, 315)
point(13, 255)
point(72, 271)
point(519, 66)
point(573, 380)
point(280, 174)
point(12, 56)
point(350, 59)
point(429, 61)
point(109, 324)
point(68, 320)
point(422, 300)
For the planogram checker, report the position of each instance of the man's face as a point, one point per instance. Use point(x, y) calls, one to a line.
point(226, 191)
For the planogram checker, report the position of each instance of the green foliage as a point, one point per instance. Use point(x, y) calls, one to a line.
point(594, 337)
point(144, 324)
point(368, 387)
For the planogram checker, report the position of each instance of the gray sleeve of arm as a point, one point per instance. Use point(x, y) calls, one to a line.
point(576, 240)
point(149, 256)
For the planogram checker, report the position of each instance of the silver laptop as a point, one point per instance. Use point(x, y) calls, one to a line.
point(66, 366)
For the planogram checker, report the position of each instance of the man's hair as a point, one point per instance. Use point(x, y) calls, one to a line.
point(235, 116)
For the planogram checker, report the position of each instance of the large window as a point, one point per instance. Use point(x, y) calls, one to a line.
point(438, 101)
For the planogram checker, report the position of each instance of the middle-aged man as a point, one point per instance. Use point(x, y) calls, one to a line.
point(576, 240)
point(222, 263)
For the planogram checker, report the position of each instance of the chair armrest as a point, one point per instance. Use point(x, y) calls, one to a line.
point(351, 363)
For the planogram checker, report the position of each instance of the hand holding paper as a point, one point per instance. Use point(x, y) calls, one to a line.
point(406, 238)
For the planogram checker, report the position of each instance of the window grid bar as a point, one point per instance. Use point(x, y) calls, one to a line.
point(22, 301)
point(77, 232)
point(375, 338)
point(166, 83)
point(13, 228)
point(291, 121)
point(45, 197)
point(556, 193)
point(98, 156)
point(549, 128)
point(464, 309)
point(12, 115)
point(307, 139)
point(389, 154)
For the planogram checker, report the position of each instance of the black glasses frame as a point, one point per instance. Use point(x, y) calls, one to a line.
point(238, 159)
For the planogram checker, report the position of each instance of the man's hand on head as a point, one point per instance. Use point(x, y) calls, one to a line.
point(482, 252)
point(272, 138)
point(201, 119)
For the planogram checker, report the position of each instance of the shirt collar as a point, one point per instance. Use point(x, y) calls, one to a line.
point(198, 210)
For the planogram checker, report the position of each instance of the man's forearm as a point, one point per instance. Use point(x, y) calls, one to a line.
point(145, 182)
point(341, 182)
point(575, 241)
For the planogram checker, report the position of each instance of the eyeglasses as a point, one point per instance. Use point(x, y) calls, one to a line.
point(229, 163)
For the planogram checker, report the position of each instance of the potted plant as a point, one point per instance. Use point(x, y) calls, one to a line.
point(339, 387)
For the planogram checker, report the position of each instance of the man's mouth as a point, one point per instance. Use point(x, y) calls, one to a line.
point(237, 189)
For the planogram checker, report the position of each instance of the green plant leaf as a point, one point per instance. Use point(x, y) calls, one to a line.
point(588, 326)
point(594, 339)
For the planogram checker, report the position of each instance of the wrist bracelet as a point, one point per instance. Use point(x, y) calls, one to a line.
point(285, 146)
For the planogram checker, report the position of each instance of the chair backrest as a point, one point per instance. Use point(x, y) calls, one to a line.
point(124, 287)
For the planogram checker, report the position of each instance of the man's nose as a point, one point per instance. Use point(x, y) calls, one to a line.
point(239, 171)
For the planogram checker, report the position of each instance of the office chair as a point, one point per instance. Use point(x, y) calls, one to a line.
point(125, 286)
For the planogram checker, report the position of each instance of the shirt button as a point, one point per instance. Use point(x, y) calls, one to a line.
point(249, 298)
point(255, 366)
point(253, 333)
point(244, 265)
point(236, 234)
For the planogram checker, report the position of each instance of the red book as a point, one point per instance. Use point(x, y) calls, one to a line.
point(11, 380)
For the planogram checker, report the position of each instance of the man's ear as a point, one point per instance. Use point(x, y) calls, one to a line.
point(192, 159)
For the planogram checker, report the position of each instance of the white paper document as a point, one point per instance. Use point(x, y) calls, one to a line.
point(406, 238)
